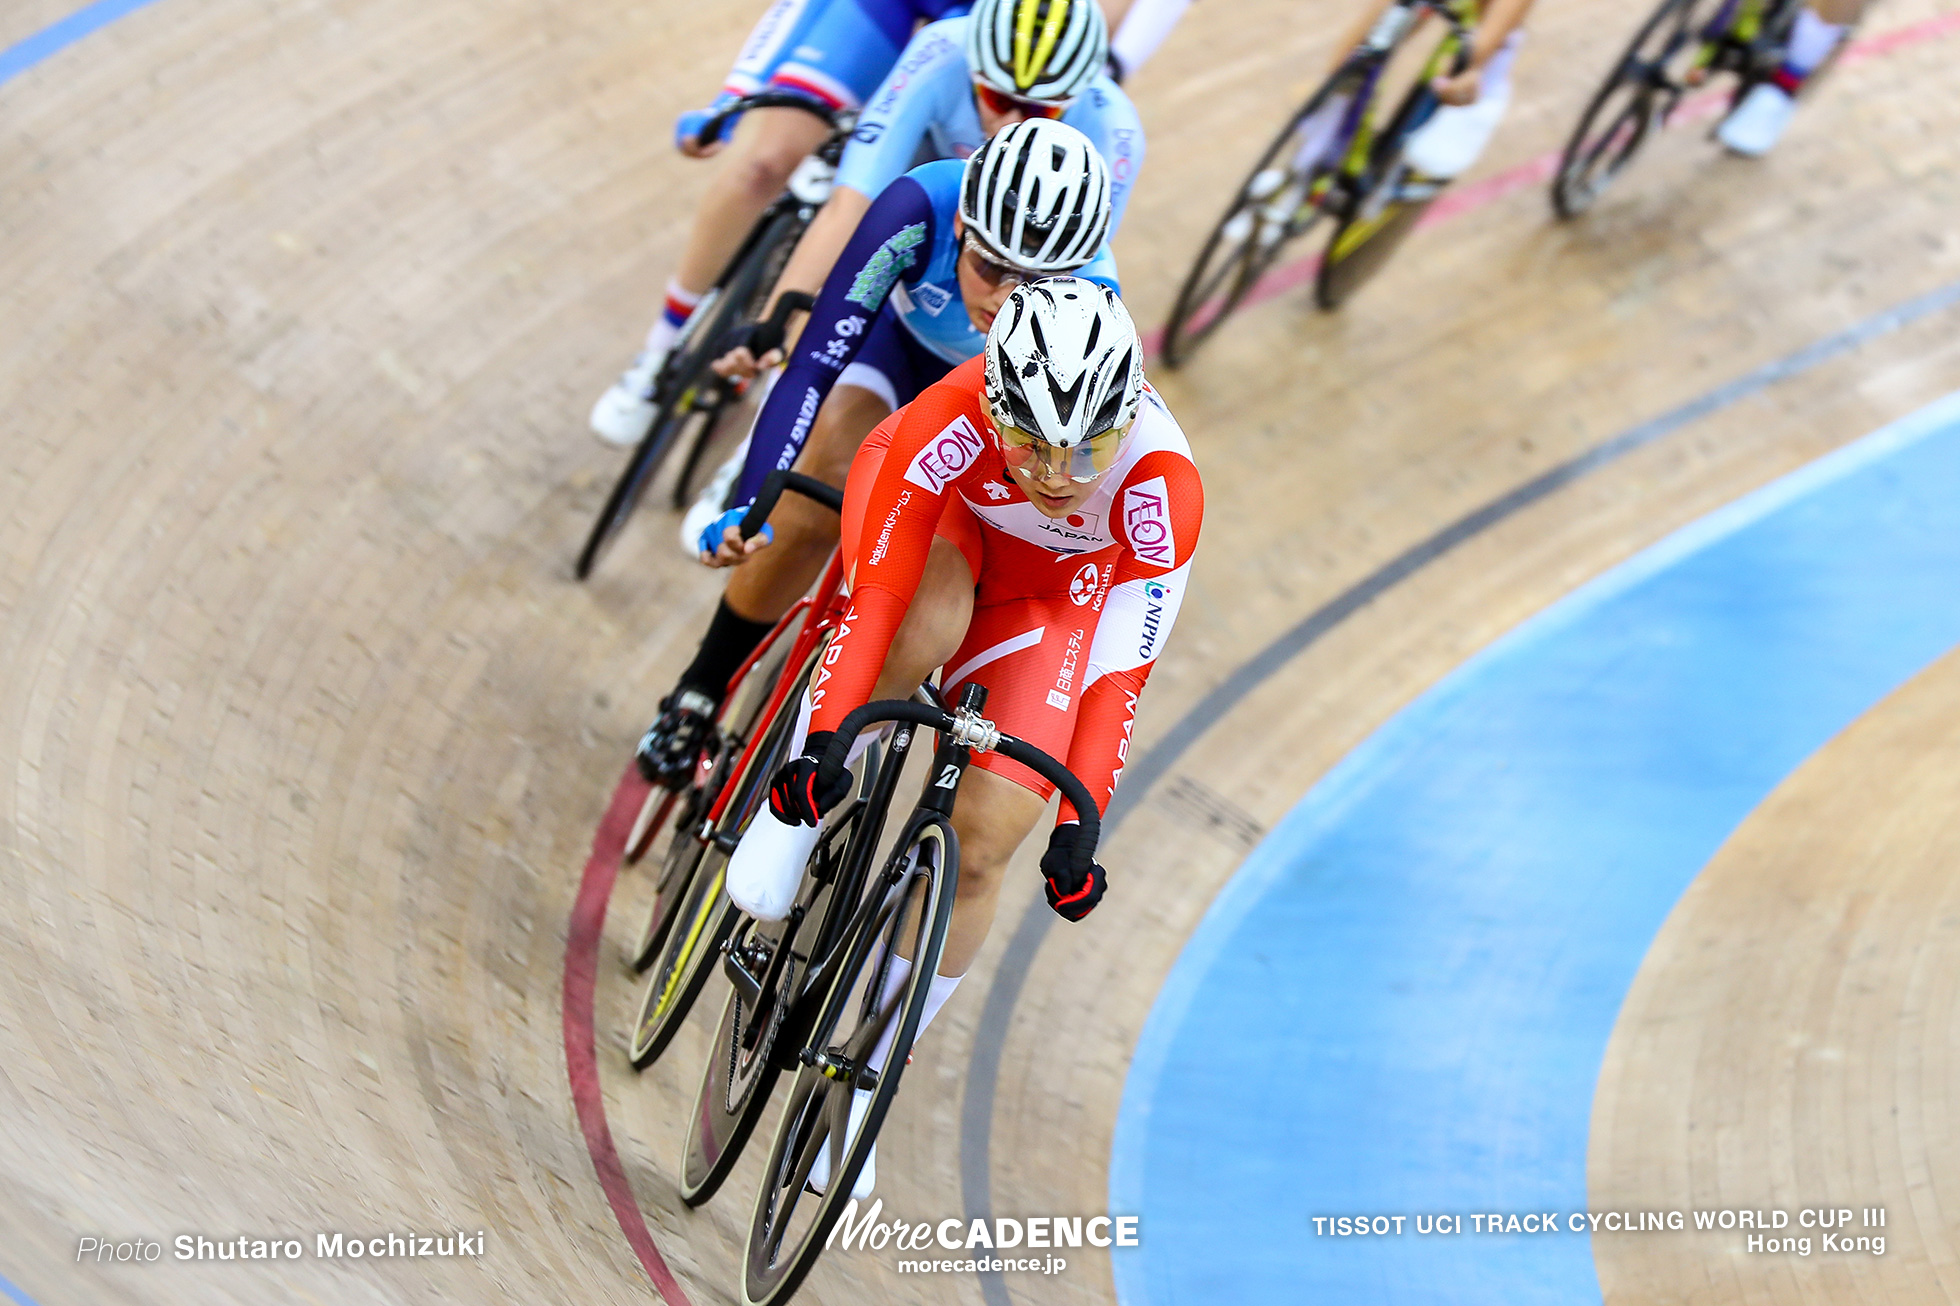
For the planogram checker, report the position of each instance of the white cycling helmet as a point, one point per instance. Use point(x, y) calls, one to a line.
point(1047, 50)
point(1064, 377)
point(1036, 196)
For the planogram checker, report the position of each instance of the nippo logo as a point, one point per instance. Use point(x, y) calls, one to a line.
point(1155, 591)
point(948, 454)
point(1083, 587)
point(1147, 522)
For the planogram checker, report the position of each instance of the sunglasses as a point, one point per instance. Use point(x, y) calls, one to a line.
point(1001, 103)
point(991, 270)
point(1081, 463)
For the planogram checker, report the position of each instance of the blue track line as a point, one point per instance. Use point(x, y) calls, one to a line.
point(58, 36)
point(15, 1294)
point(1401, 1002)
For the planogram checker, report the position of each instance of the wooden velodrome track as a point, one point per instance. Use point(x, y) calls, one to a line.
point(307, 729)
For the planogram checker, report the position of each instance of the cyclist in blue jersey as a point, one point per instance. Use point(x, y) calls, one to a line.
point(834, 51)
point(919, 283)
point(960, 81)
point(838, 52)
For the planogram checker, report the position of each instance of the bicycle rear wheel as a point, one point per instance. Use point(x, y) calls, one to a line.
point(1375, 228)
point(1643, 89)
point(790, 1224)
point(1284, 195)
point(704, 916)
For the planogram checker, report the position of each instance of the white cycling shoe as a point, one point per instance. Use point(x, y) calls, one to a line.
point(1455, 135)
point(1759, 122)
point(707, 506)
point(767, 867)
point(819, 1180)
point(625, 410)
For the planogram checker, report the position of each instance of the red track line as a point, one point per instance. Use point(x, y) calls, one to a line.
point(1457, 201)
point(581, 1065)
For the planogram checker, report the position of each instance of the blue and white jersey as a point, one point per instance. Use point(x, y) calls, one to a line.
point(903, 259)
point(925, 110)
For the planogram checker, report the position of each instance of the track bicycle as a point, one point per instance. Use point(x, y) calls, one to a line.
point(689, 397)
point(690, 915)
point(805, 990)
point(1355, 179)
point(1681, 47)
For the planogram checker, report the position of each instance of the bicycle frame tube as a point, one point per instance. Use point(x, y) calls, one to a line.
point(806, 641)
point(864, 844)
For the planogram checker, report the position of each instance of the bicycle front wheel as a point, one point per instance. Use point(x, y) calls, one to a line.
point(687, 421)
point(790, 1224)
point(1284, 196)
point(1637, 97)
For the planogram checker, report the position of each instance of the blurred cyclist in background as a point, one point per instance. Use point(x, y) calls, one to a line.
point(836, 52)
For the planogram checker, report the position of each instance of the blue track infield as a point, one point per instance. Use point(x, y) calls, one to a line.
point(1400, 1003)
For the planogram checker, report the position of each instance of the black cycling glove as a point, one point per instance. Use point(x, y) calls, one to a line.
point(756, 337)
point(1071, 894)
point(793, 794)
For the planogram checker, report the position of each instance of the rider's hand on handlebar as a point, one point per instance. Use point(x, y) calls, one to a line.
point(741, 365)
point(749, 348)
point(1460, 89)
point(1071, 894)
point(793, 794)
point(687, 129)
point(721, 543)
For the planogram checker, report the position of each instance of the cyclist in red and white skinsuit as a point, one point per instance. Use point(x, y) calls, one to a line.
point(1028, 524)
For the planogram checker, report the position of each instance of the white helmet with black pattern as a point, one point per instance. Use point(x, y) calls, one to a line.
point(1064, 365)
point(1046, 50)
point(1036, 196)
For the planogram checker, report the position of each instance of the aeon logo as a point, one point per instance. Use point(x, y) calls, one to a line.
point(945, 456)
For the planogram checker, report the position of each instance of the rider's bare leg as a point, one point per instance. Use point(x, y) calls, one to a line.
point(765, 586)
point(768, 145)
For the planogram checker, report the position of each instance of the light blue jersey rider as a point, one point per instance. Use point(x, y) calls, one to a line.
point(925, 110)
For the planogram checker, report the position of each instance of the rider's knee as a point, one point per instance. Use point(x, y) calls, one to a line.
point(763, 169)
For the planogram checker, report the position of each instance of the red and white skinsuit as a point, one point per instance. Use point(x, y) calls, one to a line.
point(1068, 614)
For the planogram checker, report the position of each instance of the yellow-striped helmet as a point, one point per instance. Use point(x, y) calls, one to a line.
point(1048, 50)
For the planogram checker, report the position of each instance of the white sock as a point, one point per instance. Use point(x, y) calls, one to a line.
point(1811, 42)
point(937, 992)
point(674, 313)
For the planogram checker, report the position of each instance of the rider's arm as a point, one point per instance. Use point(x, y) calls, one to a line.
point(1500, 19)
point(889, 245)
point(817, 253)
point(1139, 28)
point(1159, 512)
point(899, 520)
point(1107, 117)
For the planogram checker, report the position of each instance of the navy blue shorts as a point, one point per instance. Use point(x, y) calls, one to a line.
point(893, 364)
